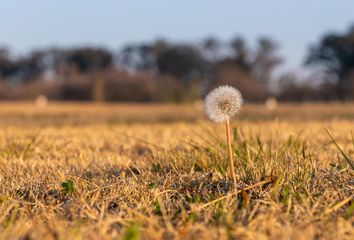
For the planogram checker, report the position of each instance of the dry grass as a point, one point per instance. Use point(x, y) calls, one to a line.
point(80, 171)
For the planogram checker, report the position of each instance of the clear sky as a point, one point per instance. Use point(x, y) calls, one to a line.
point(294, 24)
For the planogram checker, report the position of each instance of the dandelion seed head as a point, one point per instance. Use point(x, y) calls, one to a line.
point(222, 103)
point(41, 101)
point(271, 104)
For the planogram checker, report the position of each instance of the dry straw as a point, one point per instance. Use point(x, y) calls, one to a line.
point(221, 105)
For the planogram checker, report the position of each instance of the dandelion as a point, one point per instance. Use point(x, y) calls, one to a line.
point(41, 101)
point(271, 104)
point(221, 105)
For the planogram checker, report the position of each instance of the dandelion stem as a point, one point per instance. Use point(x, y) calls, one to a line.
point(232, 167)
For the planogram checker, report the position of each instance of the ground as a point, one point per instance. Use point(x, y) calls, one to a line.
point(131, 171)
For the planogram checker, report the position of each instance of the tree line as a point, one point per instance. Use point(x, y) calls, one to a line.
point(167, 71)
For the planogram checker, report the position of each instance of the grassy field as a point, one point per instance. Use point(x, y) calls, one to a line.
point(129, 171)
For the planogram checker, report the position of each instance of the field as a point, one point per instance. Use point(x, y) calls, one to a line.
point(130, 171)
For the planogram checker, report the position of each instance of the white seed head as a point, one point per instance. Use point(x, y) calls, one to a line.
point(271, 104)
point(222, 103)
point(41, 101)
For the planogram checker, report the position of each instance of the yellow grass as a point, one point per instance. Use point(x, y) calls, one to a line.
point(162, 172)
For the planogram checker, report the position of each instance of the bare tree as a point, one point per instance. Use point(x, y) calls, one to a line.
point(265, 60)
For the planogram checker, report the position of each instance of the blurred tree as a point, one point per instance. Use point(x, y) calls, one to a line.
point(242, 54)
point(55, 60)
point(7, 67)
point(138, 57)
point(89, 59)
point(22, 69)
point(335, 53)
point(265, 60)
point(142, 57)
point(94, 61)
point(30, 67)
point(211, 47)
point(159, 46)
point(184, 62)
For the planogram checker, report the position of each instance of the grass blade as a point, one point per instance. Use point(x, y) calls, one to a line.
point(341, 151)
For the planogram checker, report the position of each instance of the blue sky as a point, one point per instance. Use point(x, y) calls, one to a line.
point(295, 24)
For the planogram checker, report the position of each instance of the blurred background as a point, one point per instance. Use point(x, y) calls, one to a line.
point(163, 51)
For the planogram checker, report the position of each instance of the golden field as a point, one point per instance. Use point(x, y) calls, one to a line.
point(157, 171)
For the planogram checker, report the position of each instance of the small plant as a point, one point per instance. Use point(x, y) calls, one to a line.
point(350, 162)
point(221, 105)
point(132, 232)
point(67, 187)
